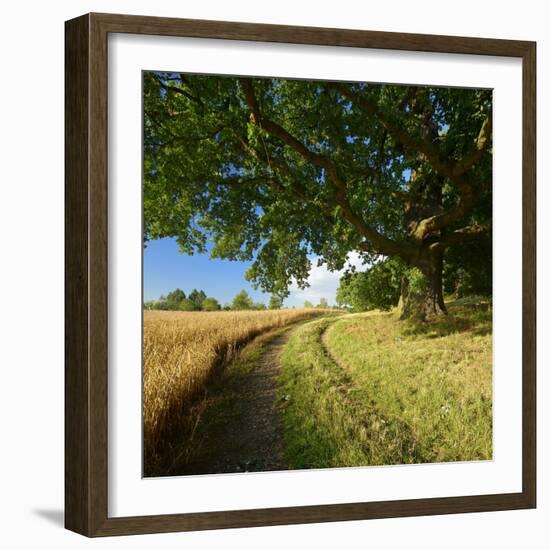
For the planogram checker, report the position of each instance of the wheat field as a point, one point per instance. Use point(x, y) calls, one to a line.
point(181, 353)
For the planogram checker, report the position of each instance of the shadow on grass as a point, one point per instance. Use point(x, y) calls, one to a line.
point(475, 318)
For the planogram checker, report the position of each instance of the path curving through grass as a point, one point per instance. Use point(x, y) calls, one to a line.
point(349, 390)
point(366, 389)
point(240, 428)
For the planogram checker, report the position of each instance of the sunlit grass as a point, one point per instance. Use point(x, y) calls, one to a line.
point(389, 392)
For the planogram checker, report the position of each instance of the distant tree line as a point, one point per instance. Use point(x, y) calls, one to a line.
point(197, 300)
point(323, 304)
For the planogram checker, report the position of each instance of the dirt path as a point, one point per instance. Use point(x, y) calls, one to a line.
point(244, 433)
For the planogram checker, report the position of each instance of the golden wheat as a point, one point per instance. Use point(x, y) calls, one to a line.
point(181, 352)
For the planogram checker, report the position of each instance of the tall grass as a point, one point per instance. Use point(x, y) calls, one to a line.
point(375, 391)
point(182, 351)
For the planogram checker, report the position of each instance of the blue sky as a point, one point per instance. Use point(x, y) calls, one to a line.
point(165, 269)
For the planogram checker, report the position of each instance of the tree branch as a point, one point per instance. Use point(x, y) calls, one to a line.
point(423, 146)
point(402, 196)
point(180, 91)
point(440, 221)
point(384, 244)
point(454, 171)
point(279, 132)
point(481, 144)
point(459, 236)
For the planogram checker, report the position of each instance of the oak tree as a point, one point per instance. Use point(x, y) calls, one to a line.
point(277, 171)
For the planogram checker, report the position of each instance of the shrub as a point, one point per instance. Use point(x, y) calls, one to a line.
point(186, 305)
point(242, 301)
point(377, 288)
point(210, 304)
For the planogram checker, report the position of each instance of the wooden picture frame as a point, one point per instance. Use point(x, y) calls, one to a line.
point(86, 284)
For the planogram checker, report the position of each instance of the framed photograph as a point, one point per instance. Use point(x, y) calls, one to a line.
point(300, 275)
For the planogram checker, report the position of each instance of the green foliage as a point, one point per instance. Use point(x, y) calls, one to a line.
point(186, 305)
point(161, 304)
point(174, 298)
point(198, 301)
point(210, 304)
point(468, 269)
point(242, 301)
point(212, 174)
point(417, 281)
point(177, 301)
point(197, 297)
point(377, 288)
point(308, 304)
point(275, 302)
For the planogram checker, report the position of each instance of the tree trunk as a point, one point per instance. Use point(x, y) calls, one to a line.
point(422, 298)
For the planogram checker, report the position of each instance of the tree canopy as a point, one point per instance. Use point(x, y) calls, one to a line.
point(242, 301)
point(210, 304)
point(377, 288)
point(275, 302)
point(174, 298)
point(275, 171)
point(186, 305)
point(197, 297)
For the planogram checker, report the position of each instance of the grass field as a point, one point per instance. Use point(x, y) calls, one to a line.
point(367, 389)
point(181, 353)
point(348, 389)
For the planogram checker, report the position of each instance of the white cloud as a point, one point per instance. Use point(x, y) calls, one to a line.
point(323, 283)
